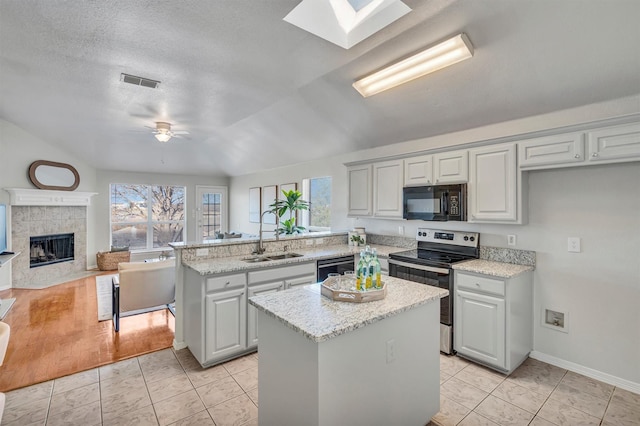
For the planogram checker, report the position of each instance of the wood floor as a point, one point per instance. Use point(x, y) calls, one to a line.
point(55, 332)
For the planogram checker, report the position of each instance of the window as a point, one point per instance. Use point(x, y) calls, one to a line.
point(318, 192)
point(146, 216)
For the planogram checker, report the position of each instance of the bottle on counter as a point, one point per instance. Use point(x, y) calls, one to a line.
point(368, 268)
point(376, 269)
point(361, 272)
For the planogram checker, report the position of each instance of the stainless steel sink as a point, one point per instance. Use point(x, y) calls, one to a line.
point(267, 258)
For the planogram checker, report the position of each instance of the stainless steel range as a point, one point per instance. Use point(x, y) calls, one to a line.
point(431, 263)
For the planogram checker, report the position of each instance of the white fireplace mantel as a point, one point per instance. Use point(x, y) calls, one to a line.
point(45, 197)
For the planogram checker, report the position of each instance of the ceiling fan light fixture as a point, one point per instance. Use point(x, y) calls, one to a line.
point(163, 137)
point(163, 131)
point(440, 56)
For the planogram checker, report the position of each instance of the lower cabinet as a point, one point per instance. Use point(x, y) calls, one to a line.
point(493, 319)
point(252, 313)
point(225, 323)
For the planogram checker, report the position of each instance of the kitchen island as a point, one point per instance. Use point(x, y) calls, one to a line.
point(327, 363)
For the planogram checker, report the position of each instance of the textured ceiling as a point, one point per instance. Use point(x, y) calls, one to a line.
point(256, 92)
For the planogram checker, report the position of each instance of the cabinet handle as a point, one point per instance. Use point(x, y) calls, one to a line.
point(576, 156)
point(595, 154)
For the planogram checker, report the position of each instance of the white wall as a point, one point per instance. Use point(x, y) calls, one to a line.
point(599, 288)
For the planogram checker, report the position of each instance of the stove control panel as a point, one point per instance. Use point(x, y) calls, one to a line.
point(459, 238)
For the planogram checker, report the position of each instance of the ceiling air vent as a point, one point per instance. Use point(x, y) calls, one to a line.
point(139, 81)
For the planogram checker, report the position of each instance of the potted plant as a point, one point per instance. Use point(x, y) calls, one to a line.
point(291, 203)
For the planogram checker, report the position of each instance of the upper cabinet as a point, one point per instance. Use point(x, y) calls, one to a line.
point(451, 167)
point(387, 189)
point(418, 171)
point(551, 150)
point(613, 144)
point(360, 190)
point(492, 187)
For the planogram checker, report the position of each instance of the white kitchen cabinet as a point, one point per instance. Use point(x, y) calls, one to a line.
point(551, 151)
point(492, 188)
point(387, 189)
point(614, 144)
point(493, 319)
point(360, 190)
point(418, 170)
point(226, 323)
point(304, 280)
point(451, 167)
point(252, 313)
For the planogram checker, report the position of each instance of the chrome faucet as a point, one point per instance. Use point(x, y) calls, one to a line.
point(261, 249)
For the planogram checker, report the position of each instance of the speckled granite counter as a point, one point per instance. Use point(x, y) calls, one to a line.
point(237, 264)
point(318, 318)
point(490, 267)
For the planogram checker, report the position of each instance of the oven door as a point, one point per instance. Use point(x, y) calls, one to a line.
point(437, 277)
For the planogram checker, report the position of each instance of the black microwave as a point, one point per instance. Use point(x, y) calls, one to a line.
point(437, 202)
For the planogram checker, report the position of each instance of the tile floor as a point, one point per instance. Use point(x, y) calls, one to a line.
point(170, 388)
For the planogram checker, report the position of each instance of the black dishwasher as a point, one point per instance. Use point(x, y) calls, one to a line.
point(335, 265)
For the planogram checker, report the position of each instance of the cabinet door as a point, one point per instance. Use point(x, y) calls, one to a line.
point(418, 170)
point(387, 189)
point(294, 282)
point(492, 184)
point(360, 190)
point(252, 312)
point(551, 150)
point(226, 323)
point(451, 167)
point(614, 143)
point(479, 330)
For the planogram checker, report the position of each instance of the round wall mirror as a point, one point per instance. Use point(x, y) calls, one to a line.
point(51, 175)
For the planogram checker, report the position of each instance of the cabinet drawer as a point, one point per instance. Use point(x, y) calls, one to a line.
point(480, 284)
point(226, 282)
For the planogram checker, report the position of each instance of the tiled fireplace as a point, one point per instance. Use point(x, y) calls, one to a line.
point(37, 221)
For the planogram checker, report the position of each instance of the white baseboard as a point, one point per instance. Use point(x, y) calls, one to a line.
point(179, 345)
point(586, 371)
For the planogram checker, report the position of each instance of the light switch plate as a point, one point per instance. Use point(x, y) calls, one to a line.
point(511, 240)
point(574, 245)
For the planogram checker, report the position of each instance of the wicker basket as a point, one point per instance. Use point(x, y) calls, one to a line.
point(108, 260)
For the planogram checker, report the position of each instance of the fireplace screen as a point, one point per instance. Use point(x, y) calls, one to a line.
point(48, 249)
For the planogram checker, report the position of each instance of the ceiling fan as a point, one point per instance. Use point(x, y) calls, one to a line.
point(163, 131)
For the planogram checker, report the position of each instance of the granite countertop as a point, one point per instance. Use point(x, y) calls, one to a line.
point(493, 268)
point(318, 318)
point(247, 238)
point(222, 265)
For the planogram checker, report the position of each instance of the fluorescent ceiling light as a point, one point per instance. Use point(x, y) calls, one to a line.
point(441, 55)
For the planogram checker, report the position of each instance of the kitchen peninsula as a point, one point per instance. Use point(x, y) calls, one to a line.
point(326, 363)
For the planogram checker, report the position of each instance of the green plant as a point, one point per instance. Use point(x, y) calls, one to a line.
point(291, 203)
point(357, 239)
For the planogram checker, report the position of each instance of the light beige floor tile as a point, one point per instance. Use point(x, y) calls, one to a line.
point(219, 391)
point(162, 357)
point(178, 407)
point(28, 413)
point(122, 385)
point(539, 421)
point(621, 396)
point(621, 411)
point(444, 377)
point(253, 394)
point(121, 404)
point(75, 398)
point(202, 376)
point(145, 416)
point(519, 396)
point(153, 372)
point(586, 384)
point(451, 364)
point(240, 364)
point(28, 395)
point(236, 411)
point(120, 370)
point(540, 379)
point(86, 415)
point(480, 377)
point(247, 379)
point(75, 381)
point(580, 399)
point(475, 419)
point(451, 413)
point(200, 419)
point(186, 358)
point(252, 422)
point(562, 414)
point(462, 393)
point(502, 412)
point(171, 386)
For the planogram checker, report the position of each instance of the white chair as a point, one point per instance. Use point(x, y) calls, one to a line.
point(5, 331)
point(140, 286)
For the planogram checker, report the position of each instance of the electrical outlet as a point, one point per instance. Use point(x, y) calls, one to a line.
point(511, 240)
point(202, 252)
point(319, 241)
point(391, 351)
point(400, 230)
point(574, 245)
